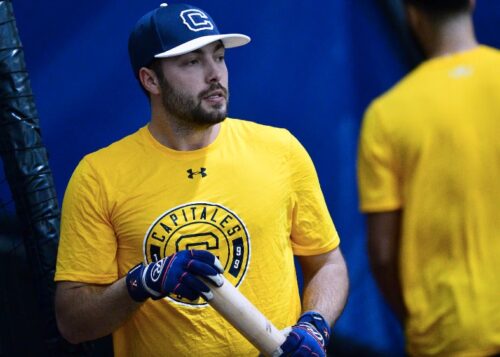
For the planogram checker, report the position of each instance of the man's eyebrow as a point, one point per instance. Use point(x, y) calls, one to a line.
point(219, 46)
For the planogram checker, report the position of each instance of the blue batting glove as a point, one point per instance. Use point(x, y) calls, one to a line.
point(176, 275)
point(309, 337)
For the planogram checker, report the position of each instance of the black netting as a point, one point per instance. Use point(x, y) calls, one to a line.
point(29, 216)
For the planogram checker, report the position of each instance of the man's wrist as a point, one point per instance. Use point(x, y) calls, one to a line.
point(317, 320)
point(134, 284)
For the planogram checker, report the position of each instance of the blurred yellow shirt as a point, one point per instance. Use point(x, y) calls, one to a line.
point(431, 147)
point(252, 198)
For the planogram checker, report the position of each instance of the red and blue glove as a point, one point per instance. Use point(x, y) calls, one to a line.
point(176, 275)
point(308, 337)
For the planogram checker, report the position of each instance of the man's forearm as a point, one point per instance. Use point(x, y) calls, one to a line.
point(388, 281)
point(326, 289)
point(384, 229)
point(86, 312)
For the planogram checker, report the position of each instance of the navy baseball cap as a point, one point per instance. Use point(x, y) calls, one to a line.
point(173, 30)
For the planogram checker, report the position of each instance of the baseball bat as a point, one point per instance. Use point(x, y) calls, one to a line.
point(231, 304)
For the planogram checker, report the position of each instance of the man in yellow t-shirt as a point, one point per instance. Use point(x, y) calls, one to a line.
point(429, 169)
point(193, 194)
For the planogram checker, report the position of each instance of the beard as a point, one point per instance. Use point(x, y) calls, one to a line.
point(188, 109)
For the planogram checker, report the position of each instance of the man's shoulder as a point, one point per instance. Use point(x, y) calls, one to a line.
point(406, 93)
point(258, 131)
point(407, 85)
point(121, 149)
point(490, 53)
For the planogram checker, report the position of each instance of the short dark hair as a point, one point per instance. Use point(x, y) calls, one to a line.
point(441, 7)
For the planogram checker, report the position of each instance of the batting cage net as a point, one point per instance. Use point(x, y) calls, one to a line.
point(29, 213)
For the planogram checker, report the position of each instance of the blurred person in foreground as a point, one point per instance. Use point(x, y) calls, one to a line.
point(429, 183)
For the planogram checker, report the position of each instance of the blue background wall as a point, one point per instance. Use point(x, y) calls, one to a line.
point(312, 67)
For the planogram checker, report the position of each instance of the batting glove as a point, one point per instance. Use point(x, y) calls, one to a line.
point(176, 275)
point(309, 337)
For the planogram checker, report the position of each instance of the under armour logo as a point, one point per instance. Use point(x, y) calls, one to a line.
point(202, 172)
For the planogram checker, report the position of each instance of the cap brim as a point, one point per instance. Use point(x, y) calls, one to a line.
point(229, 40)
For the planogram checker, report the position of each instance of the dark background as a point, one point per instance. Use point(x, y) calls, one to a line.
point(311, 67)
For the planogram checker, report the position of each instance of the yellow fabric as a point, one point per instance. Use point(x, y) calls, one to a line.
point(252, 197)
point(431, 147)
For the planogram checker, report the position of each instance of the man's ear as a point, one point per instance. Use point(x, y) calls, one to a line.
point(412, 16)
point(149, 80)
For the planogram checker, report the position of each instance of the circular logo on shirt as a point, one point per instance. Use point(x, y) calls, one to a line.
point(201, 225)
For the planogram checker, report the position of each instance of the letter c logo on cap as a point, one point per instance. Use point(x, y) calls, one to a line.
point(196, 20)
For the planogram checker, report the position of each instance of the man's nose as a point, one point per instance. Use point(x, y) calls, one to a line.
point(213, 72)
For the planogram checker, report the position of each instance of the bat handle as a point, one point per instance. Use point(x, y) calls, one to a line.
point(231, 304)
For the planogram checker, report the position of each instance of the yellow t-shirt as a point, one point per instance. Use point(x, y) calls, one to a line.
point(252, 198)
point(431, 147)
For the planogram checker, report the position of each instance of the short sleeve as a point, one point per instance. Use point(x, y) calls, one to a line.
point(87, 246)
point(313, 231)
point(378, 181)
